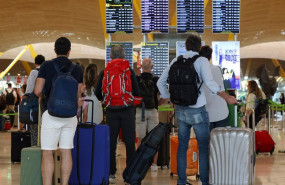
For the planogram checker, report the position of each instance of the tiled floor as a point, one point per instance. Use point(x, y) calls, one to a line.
point(270, 170)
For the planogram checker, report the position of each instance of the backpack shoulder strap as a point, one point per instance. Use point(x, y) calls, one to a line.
point(55, 65)
point(194, 58)
point(72, 66)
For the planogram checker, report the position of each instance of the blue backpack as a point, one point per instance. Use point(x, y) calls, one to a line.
point(63, 95)
point(29, 109)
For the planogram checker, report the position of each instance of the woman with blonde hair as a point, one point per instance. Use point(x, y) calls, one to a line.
point(91, 78)
point(254, 95)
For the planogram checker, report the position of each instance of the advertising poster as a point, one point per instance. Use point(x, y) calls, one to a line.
point(226, 54)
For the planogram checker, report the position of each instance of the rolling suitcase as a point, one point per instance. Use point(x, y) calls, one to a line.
point(232, 156)
point(31, 158)
point(91, 154)
point(264, 142)
point(31, 166)
point(137, 169)
point(164, 151)
point(19, 140)
point(192, 157)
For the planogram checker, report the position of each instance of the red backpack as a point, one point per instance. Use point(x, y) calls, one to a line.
point(117, 85)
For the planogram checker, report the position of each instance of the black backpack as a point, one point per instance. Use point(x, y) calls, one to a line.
point(147, 91)
point(183, 81)
point(10, 98)
point(29, 109)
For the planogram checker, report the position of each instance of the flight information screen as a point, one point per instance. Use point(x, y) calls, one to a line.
point(119, 16)
point(154, 16)
point(226, 16)
point(128, 47)
point(190, 16)
point(159, 54)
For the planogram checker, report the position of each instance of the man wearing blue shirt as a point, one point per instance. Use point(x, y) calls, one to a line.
point(194, 115)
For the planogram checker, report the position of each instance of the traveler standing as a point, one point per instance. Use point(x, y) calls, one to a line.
point(190, 103)
point(90, 80)
point(117, 117)
point(56, 129)
point(254, 94)
point(30, 89)
point(149, 92)
point(11, 97)
point(216, 106)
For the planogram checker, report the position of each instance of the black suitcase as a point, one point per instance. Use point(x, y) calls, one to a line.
point(164, 151)
point(137, 169)
point(19, 140)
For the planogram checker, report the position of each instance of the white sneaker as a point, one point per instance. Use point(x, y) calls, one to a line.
point(112, 179)
point(154, 168)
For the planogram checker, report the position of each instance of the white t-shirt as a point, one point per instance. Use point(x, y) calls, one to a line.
point(251, 100)
point(216, 106)
point(98, 110)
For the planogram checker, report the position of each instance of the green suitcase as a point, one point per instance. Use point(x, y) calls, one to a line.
point(31, 166)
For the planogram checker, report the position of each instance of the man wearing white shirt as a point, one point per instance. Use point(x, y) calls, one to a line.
point(194, 115)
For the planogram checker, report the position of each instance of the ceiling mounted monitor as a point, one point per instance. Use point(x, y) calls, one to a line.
point(128, 47)
point(119, 16)
point(154, 16)
point(226, 16)
point(190, 16)
point(158, 52)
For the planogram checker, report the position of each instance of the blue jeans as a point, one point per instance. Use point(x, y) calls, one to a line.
point(198, 118)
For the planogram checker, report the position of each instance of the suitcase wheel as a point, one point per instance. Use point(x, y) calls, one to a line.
point(257, 151)
point(197, 177)
point(171, 175)
point(272, 151)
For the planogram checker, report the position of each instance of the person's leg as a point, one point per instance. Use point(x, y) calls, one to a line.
point(140, 126)
point(203, 137)
point(112, 120)
point(183, 138)
point(47, 166)
point(66, 165)
point(128, 127)
point(66, 144)
point(50, 133)
point(152, 122)
point(212, 126)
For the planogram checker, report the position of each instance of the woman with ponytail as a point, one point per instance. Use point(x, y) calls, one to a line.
point(90, 78)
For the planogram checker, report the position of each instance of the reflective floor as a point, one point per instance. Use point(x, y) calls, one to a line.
point(270, 170)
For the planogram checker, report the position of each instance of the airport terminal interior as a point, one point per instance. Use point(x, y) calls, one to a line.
point(247, 38)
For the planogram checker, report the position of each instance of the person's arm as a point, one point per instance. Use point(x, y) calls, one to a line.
point(38, 90)
point(98, 90)
point(162, 82)
point(206, 75)
point(135, 86)
point(31, 81)
point(85, 114)
point(15, 96)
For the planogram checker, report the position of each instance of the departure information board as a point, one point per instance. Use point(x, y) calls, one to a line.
point(154, 16)
point(226, 16)
point(119, 16)
point(159, 54)
point(128, 47)
point(190, 16)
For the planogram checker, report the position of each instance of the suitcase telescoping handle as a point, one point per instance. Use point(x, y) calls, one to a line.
point(93, 144)
point(92, 104)
point(253, 135)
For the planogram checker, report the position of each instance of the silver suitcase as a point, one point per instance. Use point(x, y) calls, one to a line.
point(232, 156)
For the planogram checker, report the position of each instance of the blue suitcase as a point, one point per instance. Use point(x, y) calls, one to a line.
point(91, 155)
